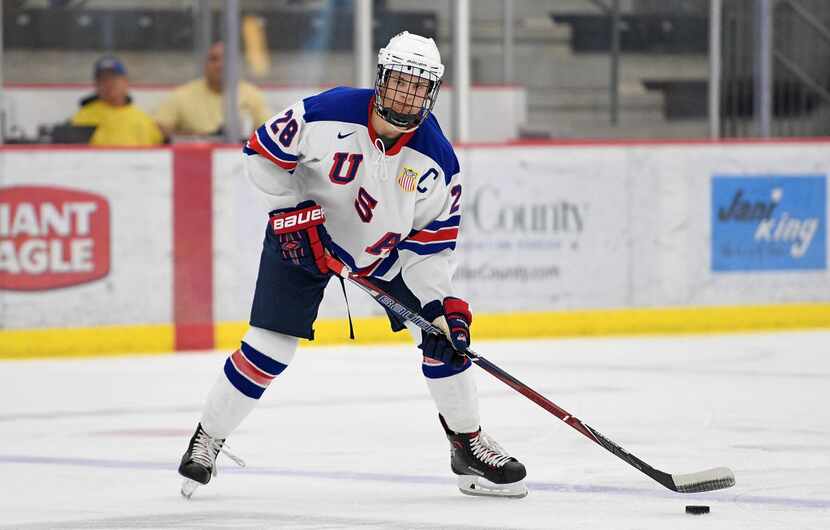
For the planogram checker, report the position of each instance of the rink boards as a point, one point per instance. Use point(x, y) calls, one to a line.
point(141, 250)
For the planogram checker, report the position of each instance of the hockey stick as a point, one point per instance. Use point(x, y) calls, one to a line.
point(708, 480)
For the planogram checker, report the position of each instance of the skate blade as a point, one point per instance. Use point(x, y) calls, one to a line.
point(481, 487)
point(188, 487)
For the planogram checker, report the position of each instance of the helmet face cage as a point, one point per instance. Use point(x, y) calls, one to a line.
point(414, 102)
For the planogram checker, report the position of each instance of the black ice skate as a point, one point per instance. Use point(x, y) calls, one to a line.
point(483, 467)
point(199, 461)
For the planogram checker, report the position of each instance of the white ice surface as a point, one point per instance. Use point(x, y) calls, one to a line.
point(348, 438)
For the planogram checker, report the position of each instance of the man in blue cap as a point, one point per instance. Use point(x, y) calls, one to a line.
point(118, 122)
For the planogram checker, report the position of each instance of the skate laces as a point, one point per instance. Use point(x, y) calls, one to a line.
point(488, 451)
point(206, 448)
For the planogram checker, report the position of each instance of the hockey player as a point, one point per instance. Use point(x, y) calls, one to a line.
point(367, 177)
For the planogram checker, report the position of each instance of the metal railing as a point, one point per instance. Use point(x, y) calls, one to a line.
point(798, 87)
point(804, 56)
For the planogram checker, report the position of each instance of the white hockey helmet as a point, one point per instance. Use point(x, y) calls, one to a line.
point(416, 56)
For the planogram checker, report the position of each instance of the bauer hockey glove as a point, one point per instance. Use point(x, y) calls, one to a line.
point(301, 236)
point(454, 317)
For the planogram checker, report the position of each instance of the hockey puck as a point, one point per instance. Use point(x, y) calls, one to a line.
point(697, 510)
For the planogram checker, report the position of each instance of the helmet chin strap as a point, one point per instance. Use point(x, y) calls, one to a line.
point(397, 128)
point(403, 131)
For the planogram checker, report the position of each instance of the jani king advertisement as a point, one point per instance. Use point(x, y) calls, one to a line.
point(769, 223)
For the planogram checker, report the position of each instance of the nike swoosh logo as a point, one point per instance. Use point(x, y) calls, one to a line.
point(340, 136)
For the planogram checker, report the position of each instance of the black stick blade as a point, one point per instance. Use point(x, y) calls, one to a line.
point(709, 480)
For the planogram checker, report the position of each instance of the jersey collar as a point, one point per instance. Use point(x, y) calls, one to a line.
point(399, 143)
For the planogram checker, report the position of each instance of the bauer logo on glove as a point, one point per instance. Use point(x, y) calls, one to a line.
point(292, 221)
point(301, 235)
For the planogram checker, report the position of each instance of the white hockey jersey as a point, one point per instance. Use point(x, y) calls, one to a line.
point(387, 212)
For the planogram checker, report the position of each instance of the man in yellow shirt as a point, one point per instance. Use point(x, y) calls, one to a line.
point(197, 107)
point(110, 110)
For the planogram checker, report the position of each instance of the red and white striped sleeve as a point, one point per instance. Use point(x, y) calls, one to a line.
point(428, 252)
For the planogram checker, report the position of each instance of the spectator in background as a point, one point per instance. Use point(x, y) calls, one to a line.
point(110, 110)
point(197, 107)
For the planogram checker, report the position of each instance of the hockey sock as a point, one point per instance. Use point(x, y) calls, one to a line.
point(455, 396)
point(248, 372)
point(453, 390)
